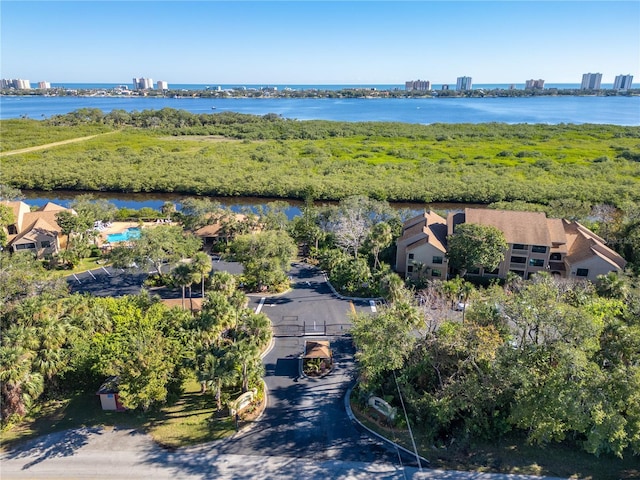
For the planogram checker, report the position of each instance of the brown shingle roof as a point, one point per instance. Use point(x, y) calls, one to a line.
point(582, 244)
point(317, 349)
point(427, 225)
point(528, 228)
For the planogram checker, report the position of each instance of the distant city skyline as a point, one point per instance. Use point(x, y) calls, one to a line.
point(306, 42)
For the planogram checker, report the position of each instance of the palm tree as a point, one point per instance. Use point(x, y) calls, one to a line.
point(257, 328)
point(202, 264)
point(246, 358)
point(612, 285)
point(223, 282)
point(184, 276)
point(20, 384)
point(214, 370)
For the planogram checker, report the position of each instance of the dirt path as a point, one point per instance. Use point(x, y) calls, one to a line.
point(54, 144)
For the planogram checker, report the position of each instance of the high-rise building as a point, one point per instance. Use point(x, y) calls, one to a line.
point(463, 83)
point(534, 84)
point(623, 82)
point(143, 84)
point(18, 84)
point(44, 85)
point(417, 85)
point(591, 81)
point(162, 85)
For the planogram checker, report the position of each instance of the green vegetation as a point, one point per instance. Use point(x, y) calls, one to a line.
point(23, 133)
point(58, 348)
point(231, 154)
point(539, 363)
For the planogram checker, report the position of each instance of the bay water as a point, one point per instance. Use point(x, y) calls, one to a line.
point(615, 110)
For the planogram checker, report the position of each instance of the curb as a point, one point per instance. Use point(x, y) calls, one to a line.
point(343, 297)
point(352, 417)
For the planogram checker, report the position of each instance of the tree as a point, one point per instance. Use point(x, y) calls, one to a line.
point(184, 275)
point(223, 282)
point(163, 244)
point(379, 238)
point(144, 368)
point(6, 218)
point(214, 369)
point(383, 342)
point(473, 245)
point(202, 264)
point(266, 257)
point(246, 359)
point(20, 382)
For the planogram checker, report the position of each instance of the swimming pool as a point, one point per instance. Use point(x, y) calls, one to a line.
point(128, 234)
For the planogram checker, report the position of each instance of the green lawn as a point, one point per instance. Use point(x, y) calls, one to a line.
point(511, 455)
point(191, 420)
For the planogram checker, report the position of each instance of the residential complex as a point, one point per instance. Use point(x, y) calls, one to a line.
point(623, 82)
point(162, 85)
point(44, 85)
point(534, 84)
point(464, 83)
point(37, 232)
point(417, 85)
point(536, 243)
point(591, 81)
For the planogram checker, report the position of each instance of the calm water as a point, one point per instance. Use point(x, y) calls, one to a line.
point(548, 110)
point(237, 204)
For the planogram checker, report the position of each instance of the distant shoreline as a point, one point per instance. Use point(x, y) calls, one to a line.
point(354, 92)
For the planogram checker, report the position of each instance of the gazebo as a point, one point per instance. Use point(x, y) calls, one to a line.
point(317, 359)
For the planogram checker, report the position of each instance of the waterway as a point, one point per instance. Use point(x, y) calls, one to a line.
point(237, 204)
point(614, 110)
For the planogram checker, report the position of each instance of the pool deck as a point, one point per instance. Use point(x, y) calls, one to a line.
point(119, 227)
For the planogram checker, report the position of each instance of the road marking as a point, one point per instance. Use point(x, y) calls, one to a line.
point(372, 304)
point(92, 275)
point(353, 308)
point(259, 307)
point(106, 271)
point(74, 276)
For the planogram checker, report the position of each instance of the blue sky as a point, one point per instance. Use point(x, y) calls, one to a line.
point(306, 42)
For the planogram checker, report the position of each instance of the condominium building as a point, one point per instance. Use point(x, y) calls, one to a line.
point(463, 83)
point(44, 85)
point(143, 84)
point(623, 82)
point(18, 84)
point(534, 84)
point(417, 85)
point(162, 85)
point(591, 81)
point(564, 248)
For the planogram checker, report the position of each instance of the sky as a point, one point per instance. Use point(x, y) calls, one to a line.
point(326, 42)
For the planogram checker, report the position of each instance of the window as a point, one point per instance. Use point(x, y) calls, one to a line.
point(25, 246)
point(536, 262)
point(582, 272)
point(410, 268)
point(411, 256)
point(45, 244)
point(474, 271)
point(520, 246)
point(555, 257)
point(436, 272)
point(495, 271)
point(539, 249)
point(436, 259)
point(520, 273)
point(518, 259)
point(12, 230)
